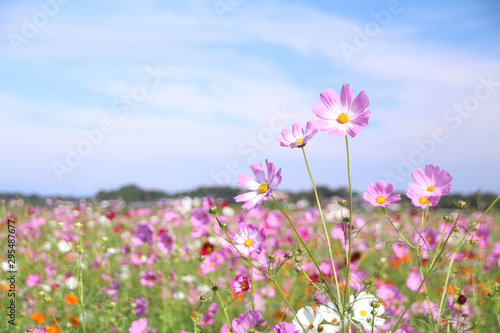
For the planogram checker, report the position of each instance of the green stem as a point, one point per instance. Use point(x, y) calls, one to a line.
point(326, 233)
point(400, 234)
point(216, 292)
point(419, 261)
point(273, 280)
point(305, 246)
point(449, 267)
point(80, 289)
point(348, 259)
point(253, 286)
point(435, 265)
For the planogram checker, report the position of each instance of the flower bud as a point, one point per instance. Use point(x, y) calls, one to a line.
point(342, 202)
point(375, 304)
point(271, 255)
point(78, 225)
point(346, 219)
point(203, 298)
point(298, 259)
point(447, 218)
point(213, 210)
point(215, 288)
point(223, 225)
point(300, 249)
point(104, 239)
point(461, 204)
point(461, 299)
point(202, 258)
point(473, 241)
point(60, 224)
point(320, 328)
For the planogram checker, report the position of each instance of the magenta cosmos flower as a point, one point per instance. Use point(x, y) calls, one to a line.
point(422, 201)
point(139, 326)
point(297, 138)
point(261, 186)
point(249, 240)
point(380, 194)
point(241, 284)
point(342, 115)
point(432, 182)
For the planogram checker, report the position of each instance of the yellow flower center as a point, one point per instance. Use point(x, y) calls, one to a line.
point(430, 239)
point(244, 286)
point(380, 200)
point(311, 326)
point(263, 188)
point(299, 141)
point(363, 313)
point(248, 242)
point(343, 118)
point(389, 295)
point(431, 188)
point(424, 201)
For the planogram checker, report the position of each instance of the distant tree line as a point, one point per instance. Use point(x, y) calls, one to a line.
point(133, 193)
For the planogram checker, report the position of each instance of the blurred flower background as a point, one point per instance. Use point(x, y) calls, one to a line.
point(172, 95)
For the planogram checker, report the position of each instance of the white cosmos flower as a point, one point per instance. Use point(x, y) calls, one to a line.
point(308, 319)
point(330, 314)
point(363, 306)
point(71, 282)
point(63, 246)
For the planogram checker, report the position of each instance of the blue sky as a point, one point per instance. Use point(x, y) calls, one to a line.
point(173, 95)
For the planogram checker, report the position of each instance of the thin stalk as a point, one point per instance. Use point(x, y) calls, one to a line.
point(324, 228)
point(348, 259)
point(435, 265)
point(400, 234)
point(449, 267)
point(419, 261)
point(305, 246)
point(251, 280)
point(80, 289)
point(216, 292)
point(228, 238)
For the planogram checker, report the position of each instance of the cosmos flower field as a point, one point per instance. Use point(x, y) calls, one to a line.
point(259, 263)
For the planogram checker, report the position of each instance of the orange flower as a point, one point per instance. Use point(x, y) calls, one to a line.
point(72, 299)
point(4, 286)
point(38, 317)
point(53, 329)
point(75, 321)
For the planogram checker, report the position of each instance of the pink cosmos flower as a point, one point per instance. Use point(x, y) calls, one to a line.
point(342, 115)
point(432, 182)
point(241, 284)
point(297, 138)
point(166, 242)
point(246, 321)
point(150, 278)
point(380, 194)
point(139, 326)
point(249, 240)
point(33, 279)
point(413, 282)
point(284, 327)
point(421, 201)
point(400, 250)
point(261, 186)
